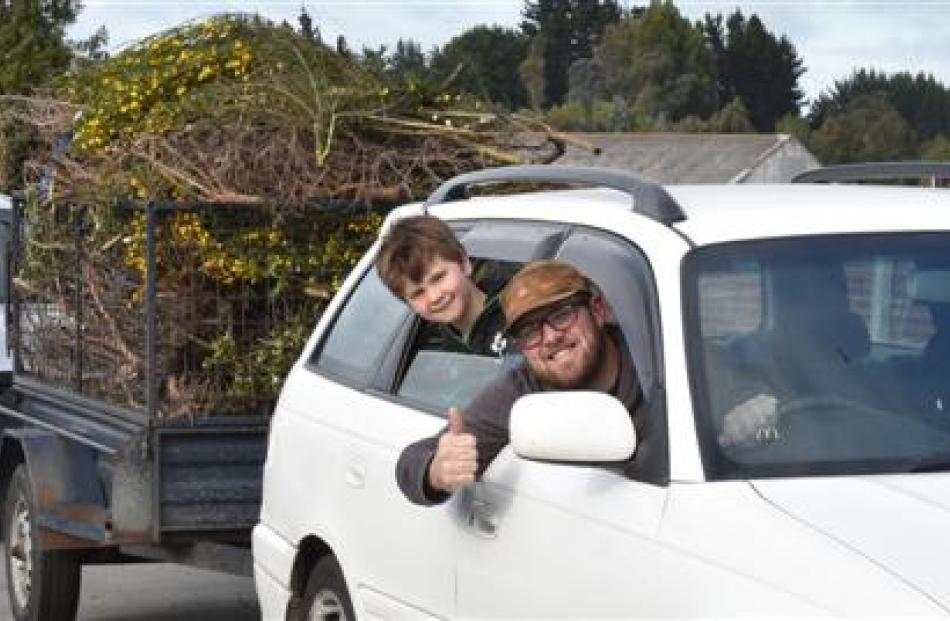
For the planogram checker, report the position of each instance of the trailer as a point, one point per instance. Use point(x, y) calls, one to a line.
point(87, 481)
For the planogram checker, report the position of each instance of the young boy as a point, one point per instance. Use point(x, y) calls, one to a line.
point(422, 262)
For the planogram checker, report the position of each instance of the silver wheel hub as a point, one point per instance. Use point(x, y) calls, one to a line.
point(326, 605)
point(20, 554)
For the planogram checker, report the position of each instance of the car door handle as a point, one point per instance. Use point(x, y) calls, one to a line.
point(483, 519)
point(355, 476)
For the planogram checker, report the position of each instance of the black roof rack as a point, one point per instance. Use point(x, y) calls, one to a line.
point(876, 171)
point(649, 197)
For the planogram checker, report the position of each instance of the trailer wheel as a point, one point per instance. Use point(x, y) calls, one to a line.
point(326, 597)
point(40, 585)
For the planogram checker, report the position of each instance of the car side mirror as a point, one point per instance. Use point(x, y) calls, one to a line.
point(574, 425)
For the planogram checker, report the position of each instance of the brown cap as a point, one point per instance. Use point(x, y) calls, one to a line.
point(538, 284)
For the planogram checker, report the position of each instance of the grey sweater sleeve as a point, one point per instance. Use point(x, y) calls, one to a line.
point(412, 472)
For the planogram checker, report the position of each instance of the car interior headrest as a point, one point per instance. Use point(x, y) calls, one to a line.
point(930, 286)
point(851, 336)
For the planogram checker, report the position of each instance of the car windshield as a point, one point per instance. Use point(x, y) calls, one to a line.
point(821, 355)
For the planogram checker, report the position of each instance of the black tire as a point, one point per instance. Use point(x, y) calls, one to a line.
point(41, 585)
point(326, 596)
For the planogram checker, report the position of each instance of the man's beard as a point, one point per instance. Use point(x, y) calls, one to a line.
point(591, 365)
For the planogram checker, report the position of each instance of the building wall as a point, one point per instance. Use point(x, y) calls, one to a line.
point(780, 163)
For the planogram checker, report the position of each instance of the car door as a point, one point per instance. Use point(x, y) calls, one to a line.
point(347, 434)
point(368, 395)
point(555, 540)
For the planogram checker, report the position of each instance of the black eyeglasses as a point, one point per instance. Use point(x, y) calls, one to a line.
point(527, 334)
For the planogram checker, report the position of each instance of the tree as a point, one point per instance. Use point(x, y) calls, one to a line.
point(572, 28)
point(936, 149)
point(485, 61)
point(732, 119)
point(307, 29)
point(755, 66)
point(532, 71)
point(870, 129)
point(586, 81)
point(660, 62)
point(34, 50)
point(795, 125)
point(33, 43)
point(93, 48)
point(407, 60)
point(921, 100)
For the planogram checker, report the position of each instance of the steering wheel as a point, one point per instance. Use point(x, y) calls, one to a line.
point(797, 405)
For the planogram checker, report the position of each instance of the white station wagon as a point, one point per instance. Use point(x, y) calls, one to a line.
point(835, 297)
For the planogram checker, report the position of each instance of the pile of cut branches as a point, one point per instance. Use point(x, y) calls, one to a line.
point(235, 109)
point(285, 154)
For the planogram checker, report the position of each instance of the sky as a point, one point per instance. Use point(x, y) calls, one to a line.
point(833, 37)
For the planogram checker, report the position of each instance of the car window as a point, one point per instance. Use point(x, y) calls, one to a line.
point(853, 349)
point(444, 379)
point(363, 331)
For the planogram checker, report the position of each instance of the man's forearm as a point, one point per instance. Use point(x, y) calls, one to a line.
point(412, 473)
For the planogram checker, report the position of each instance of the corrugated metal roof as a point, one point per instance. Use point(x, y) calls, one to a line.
point(675, 158)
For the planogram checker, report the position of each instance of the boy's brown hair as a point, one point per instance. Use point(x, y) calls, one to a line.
point(409, 248)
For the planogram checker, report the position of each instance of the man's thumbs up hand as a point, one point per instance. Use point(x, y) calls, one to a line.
point(456, 424)
point(456, 457)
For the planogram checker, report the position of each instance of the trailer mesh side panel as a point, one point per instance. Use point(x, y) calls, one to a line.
point(183, 312)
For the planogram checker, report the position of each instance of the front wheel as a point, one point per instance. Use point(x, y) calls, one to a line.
point(326, 597)
point(42, 585)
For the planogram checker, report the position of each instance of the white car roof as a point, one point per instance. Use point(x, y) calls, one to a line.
point(723, 213)
point(718, 213)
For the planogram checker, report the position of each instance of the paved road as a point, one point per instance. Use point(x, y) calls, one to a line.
point(157, 592)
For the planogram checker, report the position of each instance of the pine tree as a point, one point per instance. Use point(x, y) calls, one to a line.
point(755, 66)
point(572, 29)
point(33, 42)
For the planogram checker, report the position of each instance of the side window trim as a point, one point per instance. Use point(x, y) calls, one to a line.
point(588, 248)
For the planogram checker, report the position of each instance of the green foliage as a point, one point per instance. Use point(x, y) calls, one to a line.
point(586, 81)
point(661, 63)
point(260, 374)
point(920, 99)
point(577, 117)
point(572, 29)
point(920, 103)
point(34, 50)
point(731, 119)
point(757, 67)
point(870, 129)
point(33, 43)
point(532, 71)
point(483, 61)
point(16, 143)
point(936, 149)
point(406, 66)
point(151, 87)
point(307, 28)
point(795, 125)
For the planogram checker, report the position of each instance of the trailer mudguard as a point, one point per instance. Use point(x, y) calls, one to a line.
point(67, 486)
